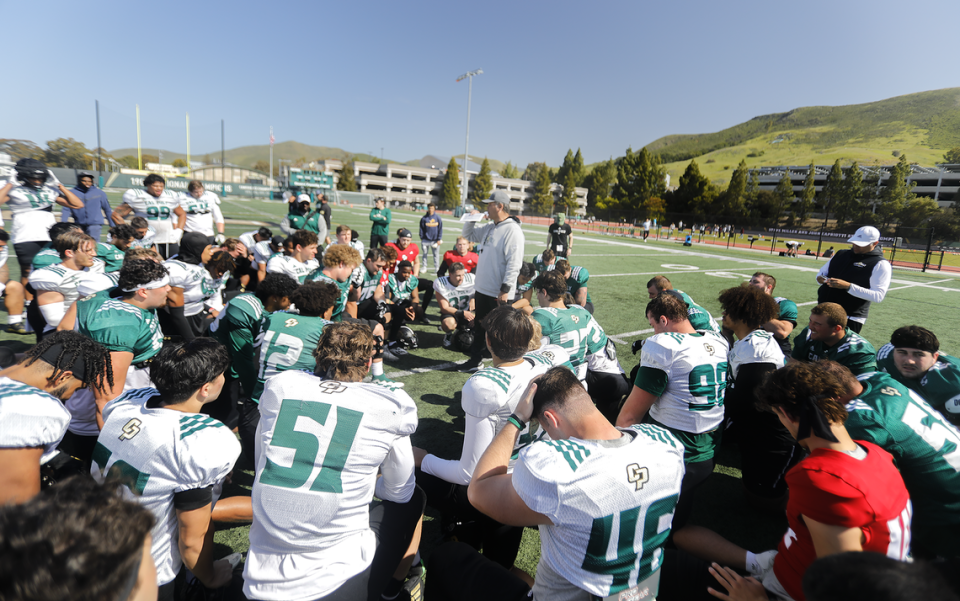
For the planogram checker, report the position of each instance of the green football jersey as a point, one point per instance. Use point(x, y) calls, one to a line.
point(111, 256)
point(401, 291)
point(699, 317)
point(317, 275)
point(46, 257)
point(286, 341)
point(575, 330)
point(367, 282)
point(925, 447)
point(940, 386)
point(853, 351)
point(120, 326)
point(788, 309)
point(237, 326)
point(578, 279)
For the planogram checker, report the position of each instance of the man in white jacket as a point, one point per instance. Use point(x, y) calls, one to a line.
point(501, 254)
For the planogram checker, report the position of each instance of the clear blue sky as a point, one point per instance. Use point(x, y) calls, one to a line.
point(365, 75)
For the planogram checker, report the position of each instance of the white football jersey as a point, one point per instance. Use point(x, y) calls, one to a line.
point(291, 267)
point(611, 503)
point(759, 346)
point(552, 355)
point(320, 445)
point(31, 418)
point(57, 278)
point(148, 240)
point(93, 282)
point(458, 297)
point(696, 368)
point(197, 283)
point(201, 212)
point(158, 453)
point(32, 211)
point(248, 239)
point(158, 210)
point(261, 253)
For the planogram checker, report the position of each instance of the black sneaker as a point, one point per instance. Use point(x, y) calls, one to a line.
point(473, 364)
point(426, 320)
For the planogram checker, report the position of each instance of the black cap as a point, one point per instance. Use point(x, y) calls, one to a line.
point(84, 174)
point(277, 241)
point(404, 233)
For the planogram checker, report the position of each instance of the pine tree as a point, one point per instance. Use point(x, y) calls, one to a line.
point(784, 194)
point(482, 185)
point(832, 192)
point(510, 171)
point(577, 168)
point(599, 182)
point(897, 194)
point(640, 177)
point(753, 187)
point(450, 195)
point(542, 201)
point(952, 156)
point(807, 196)
point(569, 198)
point(733, 199)
point(347, 181)
point(694, 193)
point(564, 169)
point(849, 204)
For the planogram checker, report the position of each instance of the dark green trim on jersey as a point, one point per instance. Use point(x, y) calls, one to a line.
point(652, 380)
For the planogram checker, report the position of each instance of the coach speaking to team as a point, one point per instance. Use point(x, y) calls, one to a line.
point(501, 253)
point(857, 277)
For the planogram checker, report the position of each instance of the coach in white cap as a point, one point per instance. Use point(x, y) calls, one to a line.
point(857, 277)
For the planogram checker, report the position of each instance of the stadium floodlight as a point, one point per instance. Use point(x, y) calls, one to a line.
point(469, 76)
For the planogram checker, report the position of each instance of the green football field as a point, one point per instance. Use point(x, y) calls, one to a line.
point(619, 269)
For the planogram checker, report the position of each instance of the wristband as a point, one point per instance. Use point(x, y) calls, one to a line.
point(516, 421)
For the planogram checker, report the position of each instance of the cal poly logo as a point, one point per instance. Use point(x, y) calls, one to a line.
point(859, 264)
point(709, 348)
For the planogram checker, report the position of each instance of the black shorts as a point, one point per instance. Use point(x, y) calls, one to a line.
point(370, 323)
point(459, 573)
point(25, 252)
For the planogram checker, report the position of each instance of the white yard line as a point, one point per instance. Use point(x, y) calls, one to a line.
point(420, 370)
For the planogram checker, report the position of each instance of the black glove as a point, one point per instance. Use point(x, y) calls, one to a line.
point(636, 346)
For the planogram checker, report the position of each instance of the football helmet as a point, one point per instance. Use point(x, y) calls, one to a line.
point(407, 338)
point(29, 170)
point(463, 339)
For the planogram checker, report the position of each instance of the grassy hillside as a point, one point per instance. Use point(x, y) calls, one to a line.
point(922, 126)
point(247, 156)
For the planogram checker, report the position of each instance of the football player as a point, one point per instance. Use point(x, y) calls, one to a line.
point(56, 285)
point(767, 450)
point(827, 336)
point(461, 253)
point(455, 297)
point(545, 261)
point(316, 531)
point(913, 358)
point(369, 284)
point(12, 291)
point(197, 276)
point(146, 234)
point(31, 195)
point(301, 261)
point(523, 296)
point(203, 212)
point(786, 320)
point(406, 301)
point(699, 317)
point(577, 278)
point(407, 250)
point(33, 419)
point(680, 386)
point(601, 496)
point(160, 208)
point(172, 459)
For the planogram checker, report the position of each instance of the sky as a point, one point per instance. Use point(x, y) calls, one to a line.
point(366, 76)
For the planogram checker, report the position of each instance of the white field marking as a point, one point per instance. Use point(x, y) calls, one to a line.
point(421, 370)
point(704, 271)
point(919, 284)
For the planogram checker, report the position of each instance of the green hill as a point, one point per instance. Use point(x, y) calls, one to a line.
point(248, 156)
point(923, 126)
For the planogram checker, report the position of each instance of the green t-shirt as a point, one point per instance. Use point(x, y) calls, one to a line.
point(120, 326)
point(286, 341)
point(46, 257)
point(925, 447)
point(111, 256)
point(699, 317)
point(236, 329)
point(317, 275)
point(940, 386)
point(578, 279)
point(853, 351)
point(401, 291)
point(381, 222)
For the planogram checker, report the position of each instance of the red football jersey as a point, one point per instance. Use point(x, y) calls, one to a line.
point(469, 260)
point(834, 488)
point(410, 253)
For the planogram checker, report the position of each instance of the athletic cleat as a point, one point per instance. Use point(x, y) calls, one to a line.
point(383, 380)
point(413, 587)
point(448, 340)
point(426, 320)
point(17, 328)
point(389, 356)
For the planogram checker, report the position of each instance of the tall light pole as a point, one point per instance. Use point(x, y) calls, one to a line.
point(466, 149)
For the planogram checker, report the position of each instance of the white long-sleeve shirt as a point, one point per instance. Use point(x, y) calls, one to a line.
point(879, 284)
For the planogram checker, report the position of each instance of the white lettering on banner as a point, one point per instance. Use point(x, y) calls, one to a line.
point(681, 267)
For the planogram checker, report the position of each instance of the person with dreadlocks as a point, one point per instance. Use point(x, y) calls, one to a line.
point(33, 419)
point(316, 530)
point(197, 276)
point(172, 459)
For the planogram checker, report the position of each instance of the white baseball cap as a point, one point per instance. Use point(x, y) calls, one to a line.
point(865, 236)
point(303, 197)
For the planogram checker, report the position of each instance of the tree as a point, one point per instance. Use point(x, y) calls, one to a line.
point(733, 199)
point(753, 187)
point(180, 164)
point(482, 184)
point(128, 161)
point(21, 149)
point(600, 181)
point(149, 158)
point(573, 165)
point(450, 195)
point(832, 192)
point(569, 198)
point(510, 171)
point(68, 153)
point(694, 192)
point(918, 210)
point(542, 201)
point(656, 208)
point(561, 174)
point(640, 177)
point(804, 205)
point(896, 195)
point(532, 171)
point(952, 157)
point(347, 181)
point(577, 168)
point(261, 165)
point(850, 200)
point(784, 194)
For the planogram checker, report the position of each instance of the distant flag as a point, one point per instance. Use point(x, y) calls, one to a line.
point(272, 139)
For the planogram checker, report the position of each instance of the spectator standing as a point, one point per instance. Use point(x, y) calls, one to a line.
point(326, 211)
point(857, 277)
point(431, 237)
point(96, 206)
point(560, 236)
point(381, 218)
point(502, 253)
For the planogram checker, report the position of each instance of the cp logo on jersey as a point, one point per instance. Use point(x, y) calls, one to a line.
point(131, 429)
point(331, 387)
point(709, 348)
point(637, 475)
